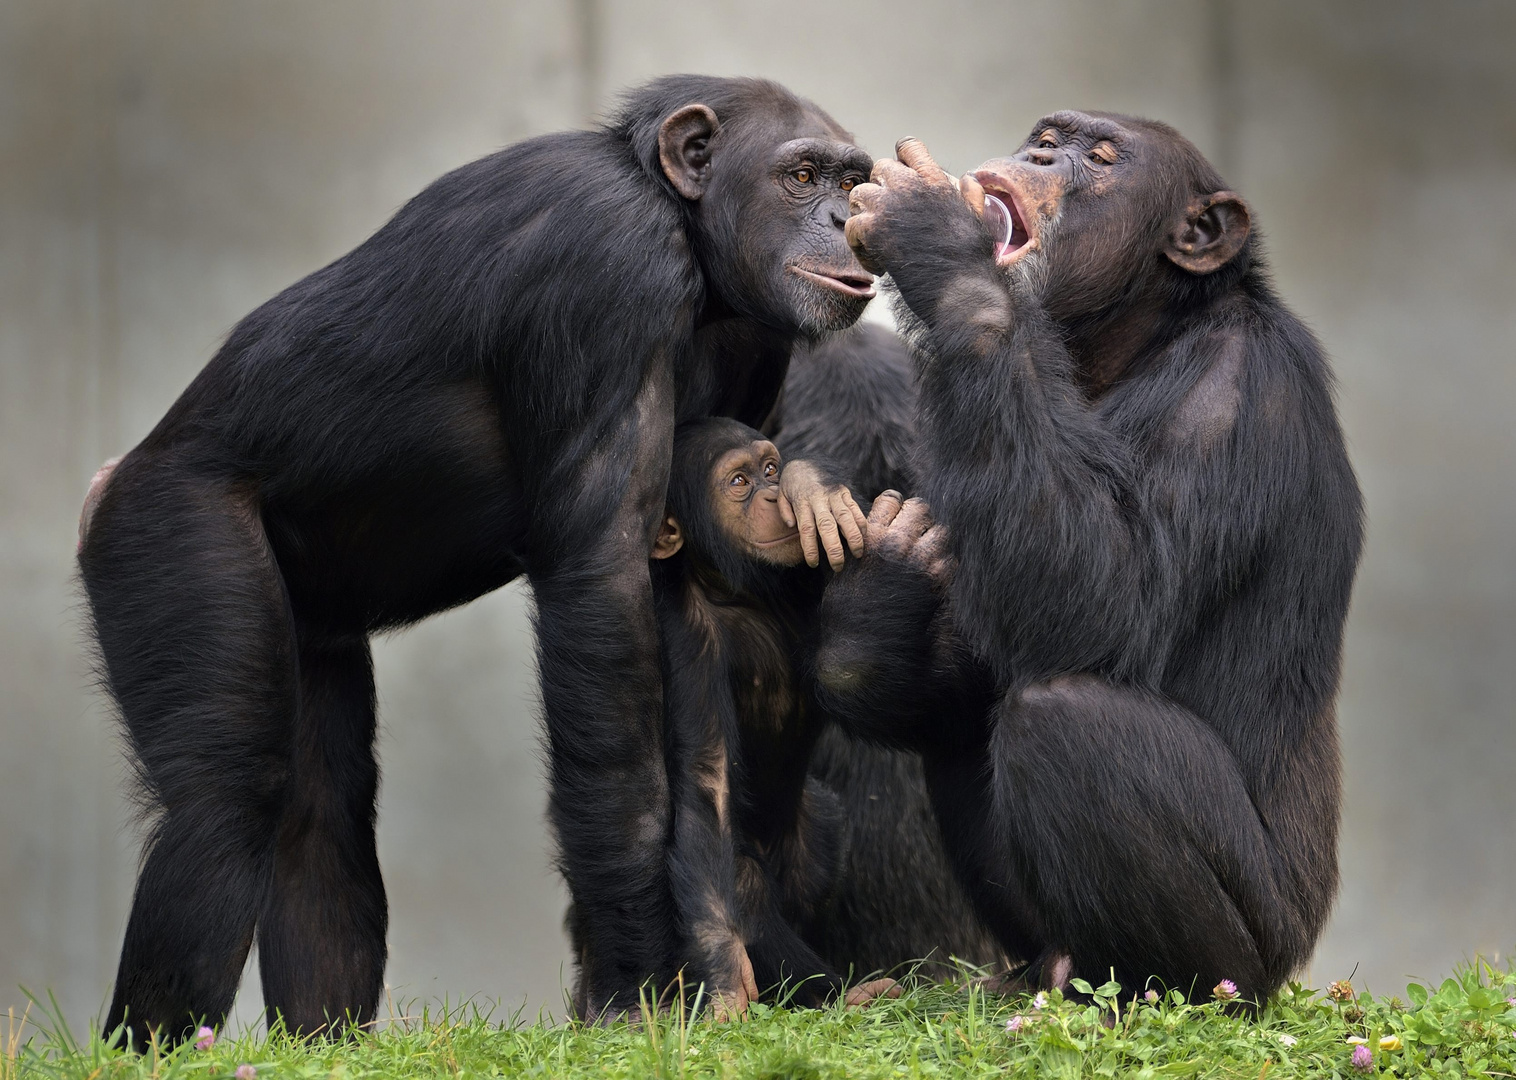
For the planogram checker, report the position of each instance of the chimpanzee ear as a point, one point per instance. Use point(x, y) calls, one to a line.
point(684, 149)
point(670, 539)
point(1211, 233)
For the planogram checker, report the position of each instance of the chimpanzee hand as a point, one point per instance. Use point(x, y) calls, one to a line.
point(916, 223)
point(905, 532)
point(822, 510)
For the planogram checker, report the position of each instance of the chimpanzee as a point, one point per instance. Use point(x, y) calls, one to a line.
point(756, 848)
point(850, 400)
point(1121, 660)
point(486, 387)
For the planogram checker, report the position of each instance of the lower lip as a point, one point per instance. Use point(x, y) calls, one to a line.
point(859, 291)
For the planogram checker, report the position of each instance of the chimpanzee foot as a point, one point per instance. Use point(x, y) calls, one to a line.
point(865, 992)
point(732, 1003)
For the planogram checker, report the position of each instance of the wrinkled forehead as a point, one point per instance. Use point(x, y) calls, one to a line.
point(804, 131)
point(747, 454)
point(1092, 125)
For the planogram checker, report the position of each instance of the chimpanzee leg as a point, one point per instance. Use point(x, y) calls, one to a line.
point(195, 635)
point(602, 696)
point(1135, 837)
point(778, 954)
point(321, 933)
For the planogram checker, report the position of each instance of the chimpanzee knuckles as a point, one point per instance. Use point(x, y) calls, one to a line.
point(972, 192)
point(684, 149)
point(885, 508)
point(913, 154)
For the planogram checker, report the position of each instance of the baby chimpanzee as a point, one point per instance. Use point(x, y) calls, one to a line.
point(755, 848)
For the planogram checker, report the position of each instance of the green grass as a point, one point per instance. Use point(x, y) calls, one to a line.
point(1462, 1028)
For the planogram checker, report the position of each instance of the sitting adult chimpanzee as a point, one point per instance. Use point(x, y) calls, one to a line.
point(487, 386)
point(756, 848)
point(1152, 531)
point(850, 400)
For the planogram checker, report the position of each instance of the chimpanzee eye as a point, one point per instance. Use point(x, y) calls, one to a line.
point(739, 480)
point(1048, 138)
point(1104, 154)
point(770, 469)
point(849, 183)
point(803, 175)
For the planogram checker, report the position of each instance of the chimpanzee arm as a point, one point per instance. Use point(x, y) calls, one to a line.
point(702, 855)
point(889, 663)
point(1069, 561)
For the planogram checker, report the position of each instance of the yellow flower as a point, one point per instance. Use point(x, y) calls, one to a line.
point(1390, 1042)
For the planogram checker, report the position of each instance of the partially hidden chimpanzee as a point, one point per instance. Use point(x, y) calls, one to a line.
point(1125, 689)
point(756, 848)
point(849, 400)
point(486, 387)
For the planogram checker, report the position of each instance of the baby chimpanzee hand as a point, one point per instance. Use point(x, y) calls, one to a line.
point(821, 510)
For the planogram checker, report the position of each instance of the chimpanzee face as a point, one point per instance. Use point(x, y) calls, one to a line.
point(728, 513)
point(745, 504)
point(1096, 199)
point(771, 202)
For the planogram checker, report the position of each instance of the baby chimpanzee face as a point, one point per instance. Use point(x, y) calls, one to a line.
point(745, 502)
point(724, 501)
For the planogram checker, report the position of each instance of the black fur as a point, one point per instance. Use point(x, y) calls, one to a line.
point(487, 386)
point(1156, 530)
point(756, 848)
point(851, 400)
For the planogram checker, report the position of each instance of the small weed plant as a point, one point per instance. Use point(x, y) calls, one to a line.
point(1466, 1027)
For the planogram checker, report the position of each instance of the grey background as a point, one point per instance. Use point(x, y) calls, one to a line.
point(166, 166)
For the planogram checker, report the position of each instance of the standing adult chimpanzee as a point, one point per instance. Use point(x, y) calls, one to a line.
point(1151, 534)
point(487, 386)
point(755, 848)
point(849, 400)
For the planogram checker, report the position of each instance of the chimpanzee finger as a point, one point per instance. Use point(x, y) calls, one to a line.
point(891, 174)
point(972, 192)
point(850, 518)
point(807, 524)
point(913, 154)
point(856, 233)
point(786, 511)
point(885, 507)
point(831, 539)
point(932, 545)
point(914, 519)
point(865, 199)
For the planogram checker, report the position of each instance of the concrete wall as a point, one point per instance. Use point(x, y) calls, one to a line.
point(165, 166)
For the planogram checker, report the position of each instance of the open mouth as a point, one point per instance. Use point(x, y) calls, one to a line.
point(1003, 214)
point(853, 283)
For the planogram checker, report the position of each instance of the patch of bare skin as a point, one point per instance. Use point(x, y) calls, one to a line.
point(979, 303)
point(1208, 411)
point(1062, 688)
point(700, 613)
point(711, 776)
point(728, 963)
point(93, 496)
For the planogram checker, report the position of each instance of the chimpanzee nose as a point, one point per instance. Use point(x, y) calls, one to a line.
point(1041, 157)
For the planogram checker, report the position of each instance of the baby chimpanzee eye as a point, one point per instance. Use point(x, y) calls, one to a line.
point(803, 175)
point(770, 469)
point(739, 479)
